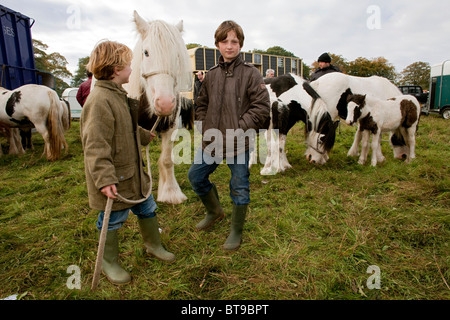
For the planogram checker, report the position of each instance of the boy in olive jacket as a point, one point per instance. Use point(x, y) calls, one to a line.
point(112, 140)
point(233, 100)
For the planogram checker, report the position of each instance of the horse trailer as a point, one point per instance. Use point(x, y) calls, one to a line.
point(439, 98)
point(70, 95)
point(204, 59)
point(16, 52)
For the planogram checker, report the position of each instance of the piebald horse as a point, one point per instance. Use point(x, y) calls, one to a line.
point(40, 107)
point(334, 89)
point(291, 98)
point(375, 116)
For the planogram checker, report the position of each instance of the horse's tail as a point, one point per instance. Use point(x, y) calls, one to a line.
point(66, 116)
point(55, 128)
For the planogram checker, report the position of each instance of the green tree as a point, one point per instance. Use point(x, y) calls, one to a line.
point(363, 67)
point(81, 73)
point(277, 51)
point(417, 74)
point(53, 63)
point(193, 45)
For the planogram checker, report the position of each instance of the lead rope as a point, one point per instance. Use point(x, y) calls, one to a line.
point(109, 203)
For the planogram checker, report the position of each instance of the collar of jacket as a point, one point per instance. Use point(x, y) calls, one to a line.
point(228, 67)
point(108, 84)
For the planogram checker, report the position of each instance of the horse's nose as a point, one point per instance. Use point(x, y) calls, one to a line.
point(309, 157)
point(404, 156)
point(164, 106)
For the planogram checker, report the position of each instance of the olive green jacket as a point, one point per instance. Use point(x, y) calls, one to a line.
point(112, 143)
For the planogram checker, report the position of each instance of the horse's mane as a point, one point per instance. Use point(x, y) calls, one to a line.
point(168, 52)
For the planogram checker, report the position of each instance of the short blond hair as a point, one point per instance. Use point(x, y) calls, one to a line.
point(106, 56)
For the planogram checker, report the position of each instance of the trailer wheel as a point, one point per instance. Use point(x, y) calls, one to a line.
point(446, 113)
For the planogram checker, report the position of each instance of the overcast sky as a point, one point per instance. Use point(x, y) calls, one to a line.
point(402, 31)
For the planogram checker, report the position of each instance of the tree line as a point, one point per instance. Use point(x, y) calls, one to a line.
point(417, 73)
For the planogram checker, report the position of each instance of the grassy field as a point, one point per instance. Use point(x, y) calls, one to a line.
point(311, 233)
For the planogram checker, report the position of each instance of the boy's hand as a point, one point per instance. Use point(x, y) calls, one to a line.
point(110, 191)
point(152, 136)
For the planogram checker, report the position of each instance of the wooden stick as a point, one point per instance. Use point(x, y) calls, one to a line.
point(101, 245)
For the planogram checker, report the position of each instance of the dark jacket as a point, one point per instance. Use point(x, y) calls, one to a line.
point(321, 72)
point(233, 96)
point(112, 142)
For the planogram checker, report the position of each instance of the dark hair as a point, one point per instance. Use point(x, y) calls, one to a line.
point(227, 26)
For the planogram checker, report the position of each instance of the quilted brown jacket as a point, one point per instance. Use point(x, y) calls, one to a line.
point(233, 96)
point(112, 143)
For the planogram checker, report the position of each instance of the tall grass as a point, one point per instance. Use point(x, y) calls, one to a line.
point(311, 233)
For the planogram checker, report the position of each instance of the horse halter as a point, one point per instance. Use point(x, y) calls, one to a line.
point(155, 73)
point(317, 148)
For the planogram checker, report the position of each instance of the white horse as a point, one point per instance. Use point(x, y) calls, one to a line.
point(291, 98)
point(375, 116)
point(334, 89)
point(161, 71)
point(40, 107)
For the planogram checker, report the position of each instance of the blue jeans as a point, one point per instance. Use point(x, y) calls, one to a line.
point(144, 210)
point(204, 166)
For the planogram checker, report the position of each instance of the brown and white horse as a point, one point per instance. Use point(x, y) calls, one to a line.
point(40, 107)
point(375, 116)
point(334, 89)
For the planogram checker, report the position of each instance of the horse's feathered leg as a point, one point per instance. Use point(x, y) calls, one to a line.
point(168, 189)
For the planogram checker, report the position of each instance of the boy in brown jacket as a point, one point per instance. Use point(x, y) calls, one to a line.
point(112, 142)
point(233, 101)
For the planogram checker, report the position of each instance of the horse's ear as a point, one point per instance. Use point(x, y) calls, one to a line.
point(141, 24)
point(180, 26)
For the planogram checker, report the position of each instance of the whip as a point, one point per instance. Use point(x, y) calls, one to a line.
point(109, 203)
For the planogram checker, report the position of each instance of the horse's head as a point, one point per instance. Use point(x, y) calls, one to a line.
point(322, 134)
point(356, 104)
point(161, 65)
point(398, 144)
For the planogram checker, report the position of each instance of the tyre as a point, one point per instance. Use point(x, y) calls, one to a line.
point(446, 113)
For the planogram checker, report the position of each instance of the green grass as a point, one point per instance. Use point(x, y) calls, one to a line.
point(311, 232)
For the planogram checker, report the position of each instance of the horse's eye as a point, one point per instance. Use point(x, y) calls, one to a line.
point(146, 53)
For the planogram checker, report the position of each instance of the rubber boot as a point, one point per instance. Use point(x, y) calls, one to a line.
point(152, 240)
point(214, 211)
point(110, 263)
point(234, 240)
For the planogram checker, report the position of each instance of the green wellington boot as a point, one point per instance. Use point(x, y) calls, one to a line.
point(110, 263)
point(234, 240)
point(214, 211)
point(152, 241)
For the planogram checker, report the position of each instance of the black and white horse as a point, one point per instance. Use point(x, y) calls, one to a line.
point(375, 116)
point(291, 98)
point(334, 89)
point(37, 106)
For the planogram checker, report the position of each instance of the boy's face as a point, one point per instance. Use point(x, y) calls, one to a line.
point(230, 47)
point(122, 76)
